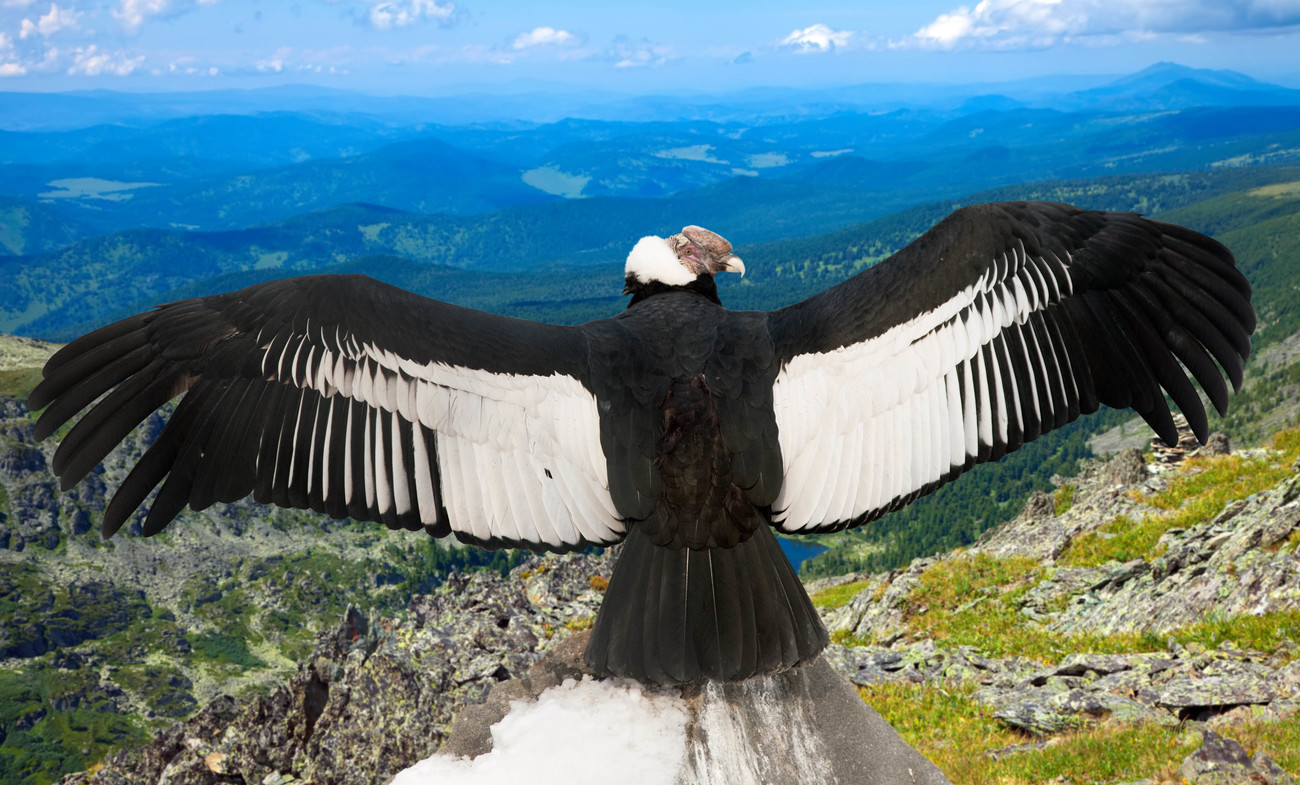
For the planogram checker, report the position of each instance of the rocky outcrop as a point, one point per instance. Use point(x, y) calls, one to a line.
point(1222, 761)
point(1241, 562)
point(1233, 563)
point(376, 695)
point(806, 726)
point(1216, 686)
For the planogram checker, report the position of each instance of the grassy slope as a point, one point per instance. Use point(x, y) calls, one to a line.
point(954, 731)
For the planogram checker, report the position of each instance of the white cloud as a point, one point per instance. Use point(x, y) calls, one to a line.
point(276, 62)
point(133, 13)
point(7, 67)
point(542, 36)
point(627, 53)
point(93, 61)
point(57, 19)
point(818, 38)
point(386, 15)
point(1012, 24)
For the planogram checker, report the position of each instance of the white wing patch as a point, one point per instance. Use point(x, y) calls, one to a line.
point(518, 457)
point(870, 423)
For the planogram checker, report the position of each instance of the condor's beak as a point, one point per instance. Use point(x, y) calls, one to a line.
point(731, 263)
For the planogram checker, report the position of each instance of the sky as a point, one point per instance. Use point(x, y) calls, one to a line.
point(431, 47)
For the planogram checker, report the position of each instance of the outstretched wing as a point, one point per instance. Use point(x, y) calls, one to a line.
point(352, 398)
point(1001, 323)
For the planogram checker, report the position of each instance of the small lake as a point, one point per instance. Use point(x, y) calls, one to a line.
point(798, 552)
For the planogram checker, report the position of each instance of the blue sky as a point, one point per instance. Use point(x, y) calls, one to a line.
point(437, 46)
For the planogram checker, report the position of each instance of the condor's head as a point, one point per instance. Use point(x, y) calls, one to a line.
point(688, 259)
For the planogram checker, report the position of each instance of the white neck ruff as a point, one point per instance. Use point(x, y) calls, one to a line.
point(652, 260)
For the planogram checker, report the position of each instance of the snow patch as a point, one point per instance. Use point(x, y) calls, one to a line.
point(574, 734)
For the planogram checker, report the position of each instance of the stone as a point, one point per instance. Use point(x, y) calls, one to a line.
point(808, 725)
point(1217, 444)
point(1126, 468)
point(1214, 692)
point(1223, 761)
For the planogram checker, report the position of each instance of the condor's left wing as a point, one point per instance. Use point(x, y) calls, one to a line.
point(1001, 323)
point(352, 398)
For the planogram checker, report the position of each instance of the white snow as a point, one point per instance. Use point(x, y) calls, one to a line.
point(574, 734)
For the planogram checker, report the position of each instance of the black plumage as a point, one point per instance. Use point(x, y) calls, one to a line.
point(688, 431)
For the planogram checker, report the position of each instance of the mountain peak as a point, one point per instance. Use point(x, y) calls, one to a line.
point(1164, 72)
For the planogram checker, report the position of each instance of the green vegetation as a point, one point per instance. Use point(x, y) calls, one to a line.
point(838, 596)
point(1198, 494)
point(429, 567)
point(1260, 632)
point(18, 382)
point(41, 742)
point(950, 729)
point(224, 649)
point(1063, 499)
point(975, 600)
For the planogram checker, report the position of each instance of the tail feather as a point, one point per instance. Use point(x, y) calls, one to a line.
point(674, 615)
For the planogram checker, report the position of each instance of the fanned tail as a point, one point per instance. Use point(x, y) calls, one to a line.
point(673, 615)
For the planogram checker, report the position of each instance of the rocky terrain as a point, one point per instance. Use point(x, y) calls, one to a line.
point(378, 694)
point(1155, 591)
point(106, 642)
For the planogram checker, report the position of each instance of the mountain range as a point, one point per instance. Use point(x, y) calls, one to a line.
point(230, 160)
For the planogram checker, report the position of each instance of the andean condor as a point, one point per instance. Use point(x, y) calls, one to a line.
point(689, 432)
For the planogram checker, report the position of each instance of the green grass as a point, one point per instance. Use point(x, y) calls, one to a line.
point(838, 596)
point(1199, 492)
point(225, 650)
point(1260, 632)
point(954, 582)
point(956, 733)
point(1120, 539)
point(1063, 499)
point(18, 383)
point(56, 742)
point(976, 600)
